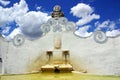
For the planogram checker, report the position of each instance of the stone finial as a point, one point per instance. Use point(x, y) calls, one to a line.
point(57, 8)
point(57, 13)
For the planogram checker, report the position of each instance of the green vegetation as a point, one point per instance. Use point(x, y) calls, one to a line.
point(57, 76)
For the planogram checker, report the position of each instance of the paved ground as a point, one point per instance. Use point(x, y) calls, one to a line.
point(57, 76)
point(0, 67)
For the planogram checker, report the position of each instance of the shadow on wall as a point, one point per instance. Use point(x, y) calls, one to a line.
point(35, 64)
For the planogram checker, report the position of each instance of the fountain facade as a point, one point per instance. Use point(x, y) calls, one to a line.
point(59, 45)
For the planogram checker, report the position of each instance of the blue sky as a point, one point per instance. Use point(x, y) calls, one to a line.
point(17, 16)
point(108, 9)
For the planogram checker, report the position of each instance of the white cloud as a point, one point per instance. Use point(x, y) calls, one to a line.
point(81, 10)
point(103, 24)
point(87, 19)
point(30, 23)
point(12, 13)
point(4, 2)
point(113, 33)
point(110, 25)
point(83, 32)
point(119, 19)
point(38, 8)
point(85, 13)
point(13, 33)
point(6, 30)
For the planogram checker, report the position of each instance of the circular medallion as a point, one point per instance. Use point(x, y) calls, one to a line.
point(62, 21)
point(18, 40)
point(45, 28)
point(70, 26)
point(57, 28)
point(100, 37)
point(52, 21)
point(3, 38)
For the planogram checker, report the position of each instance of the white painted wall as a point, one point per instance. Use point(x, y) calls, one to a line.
point(85, 54)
